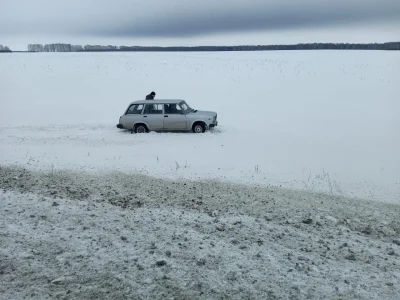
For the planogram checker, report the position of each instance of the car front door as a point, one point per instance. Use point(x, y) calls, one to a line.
point(174, 119)
point(153, 116)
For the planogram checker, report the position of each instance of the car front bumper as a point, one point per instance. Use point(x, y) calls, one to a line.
point(213, 124)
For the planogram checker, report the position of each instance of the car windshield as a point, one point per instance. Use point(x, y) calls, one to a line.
point(185, 107)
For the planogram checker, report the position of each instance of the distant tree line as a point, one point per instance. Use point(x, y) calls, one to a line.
point(4, 49)
point(309, 46)
point(59, 47)
point(68, 48)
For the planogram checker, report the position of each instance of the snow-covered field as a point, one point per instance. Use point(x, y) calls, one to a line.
point(324, 121)
point(312, 137)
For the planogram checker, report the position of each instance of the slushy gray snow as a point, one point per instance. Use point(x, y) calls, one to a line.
point(78, 235)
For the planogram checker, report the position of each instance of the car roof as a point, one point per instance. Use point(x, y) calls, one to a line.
point(157, 101)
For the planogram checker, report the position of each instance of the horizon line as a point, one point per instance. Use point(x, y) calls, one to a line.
point(109, 47)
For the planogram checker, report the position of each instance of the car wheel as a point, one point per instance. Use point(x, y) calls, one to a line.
point(140, 128)
point(199, 128)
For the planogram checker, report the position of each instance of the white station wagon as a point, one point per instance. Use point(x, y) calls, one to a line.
point(165, 115)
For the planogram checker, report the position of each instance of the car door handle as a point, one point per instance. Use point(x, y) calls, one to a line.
point(144, 116)
point(165, 116)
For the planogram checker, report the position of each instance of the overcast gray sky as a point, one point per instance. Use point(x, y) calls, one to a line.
point(182, 21)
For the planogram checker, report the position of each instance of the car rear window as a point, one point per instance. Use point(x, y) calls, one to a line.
point(135, 109)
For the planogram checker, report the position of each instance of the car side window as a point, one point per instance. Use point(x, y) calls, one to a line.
point(153, 109)
point(184, 106)
point(172, 109)
point(135, 109)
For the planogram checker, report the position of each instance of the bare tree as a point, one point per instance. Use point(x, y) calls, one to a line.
point(4, 49)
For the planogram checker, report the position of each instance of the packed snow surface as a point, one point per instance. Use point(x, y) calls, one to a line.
point(295, 195)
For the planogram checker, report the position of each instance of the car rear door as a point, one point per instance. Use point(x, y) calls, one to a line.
point(153, 116)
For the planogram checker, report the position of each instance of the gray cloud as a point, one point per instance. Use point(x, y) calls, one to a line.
point(249, 19)
point(179, 18)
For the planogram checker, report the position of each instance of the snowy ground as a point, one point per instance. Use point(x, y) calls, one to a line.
point(78, 207)
point(79, 235)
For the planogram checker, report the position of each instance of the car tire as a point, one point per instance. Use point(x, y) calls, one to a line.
point(199, 128)
point(141, 128)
